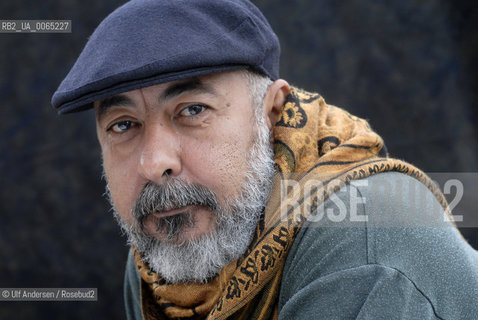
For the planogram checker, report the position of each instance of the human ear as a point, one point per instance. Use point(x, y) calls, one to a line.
point(274, 101)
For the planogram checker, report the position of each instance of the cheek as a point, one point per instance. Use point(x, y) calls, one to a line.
point(122, 187)
point(218, 163)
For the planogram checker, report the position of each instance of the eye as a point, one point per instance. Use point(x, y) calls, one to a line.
point(192, 110)
point(121, 126)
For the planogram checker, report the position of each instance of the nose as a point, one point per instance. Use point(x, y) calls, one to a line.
point(160, 153)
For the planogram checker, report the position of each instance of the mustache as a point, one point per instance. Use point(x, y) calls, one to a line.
point(173, 194)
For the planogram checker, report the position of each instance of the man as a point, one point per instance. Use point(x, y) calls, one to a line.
point(245, 198)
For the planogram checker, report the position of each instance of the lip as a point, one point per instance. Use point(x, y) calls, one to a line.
point(168, 213)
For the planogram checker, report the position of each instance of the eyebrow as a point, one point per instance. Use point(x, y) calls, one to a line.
point(190, 85)
point(117, 100)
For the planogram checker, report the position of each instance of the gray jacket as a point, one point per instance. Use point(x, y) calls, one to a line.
point(378, 249)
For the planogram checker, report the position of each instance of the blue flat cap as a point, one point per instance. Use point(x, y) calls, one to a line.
point(148, 42)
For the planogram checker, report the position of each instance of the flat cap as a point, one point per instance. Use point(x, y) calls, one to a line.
point(147, 42)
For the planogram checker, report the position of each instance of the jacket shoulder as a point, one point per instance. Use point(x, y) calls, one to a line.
point(392, 222)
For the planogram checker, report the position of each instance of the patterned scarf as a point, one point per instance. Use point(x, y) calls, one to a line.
point(312, 139)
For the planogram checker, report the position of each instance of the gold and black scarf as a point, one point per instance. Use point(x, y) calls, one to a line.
point(311, 139)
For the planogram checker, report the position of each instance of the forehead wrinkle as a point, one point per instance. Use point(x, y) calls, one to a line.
point(187, 86)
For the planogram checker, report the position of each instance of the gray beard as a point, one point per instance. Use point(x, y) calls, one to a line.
point(202, 258)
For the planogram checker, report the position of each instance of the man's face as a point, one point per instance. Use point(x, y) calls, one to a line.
point(190, 166)
point(198, 131)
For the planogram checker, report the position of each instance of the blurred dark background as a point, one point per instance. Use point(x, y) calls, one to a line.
point(410, 67)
